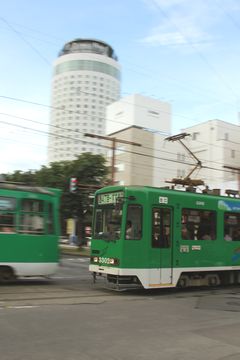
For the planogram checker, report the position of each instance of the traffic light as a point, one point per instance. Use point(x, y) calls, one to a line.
point(73, 184)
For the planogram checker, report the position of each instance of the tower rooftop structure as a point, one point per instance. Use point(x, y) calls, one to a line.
point(88, 46)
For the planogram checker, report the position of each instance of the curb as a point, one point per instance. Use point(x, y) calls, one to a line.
point(75, 251)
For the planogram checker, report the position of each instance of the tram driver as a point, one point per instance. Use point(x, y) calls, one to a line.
point(129, 230)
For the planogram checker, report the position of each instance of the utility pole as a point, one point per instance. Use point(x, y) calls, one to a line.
point(113, 147)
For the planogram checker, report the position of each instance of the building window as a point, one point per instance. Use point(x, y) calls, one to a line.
point(195, 135)
point(180, 173)
point(120, 167)
point(151, 112)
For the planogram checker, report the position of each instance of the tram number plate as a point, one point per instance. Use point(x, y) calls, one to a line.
point(163, 200)
point(103, 260)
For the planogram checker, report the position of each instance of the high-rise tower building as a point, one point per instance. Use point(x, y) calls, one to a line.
point(86, 79)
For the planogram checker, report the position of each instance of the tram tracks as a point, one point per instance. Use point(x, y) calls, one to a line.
point(55, 295)
point(38, 293)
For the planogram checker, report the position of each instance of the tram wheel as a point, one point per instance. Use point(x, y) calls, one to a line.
point(183, 282)
point(213, 280)
point(6, 274)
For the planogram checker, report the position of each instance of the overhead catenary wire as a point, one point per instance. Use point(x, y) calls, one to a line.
point(12, 26)
point(71, 130)
point(79, 132)
point(201, 56)
point(141, 154)
point(148, 156)
point(70, 111)
point(24, 40)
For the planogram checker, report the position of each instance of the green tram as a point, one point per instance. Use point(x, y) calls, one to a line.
point(29, 231)
point(157, 238)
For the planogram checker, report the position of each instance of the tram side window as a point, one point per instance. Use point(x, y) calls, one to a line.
point(134, 222)
point(198, 224)
point(231, 226)
point(7, 214)
point(32, 216)
point(50, 219)
point(161, 228)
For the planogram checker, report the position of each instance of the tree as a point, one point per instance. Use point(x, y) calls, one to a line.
point(89, 169)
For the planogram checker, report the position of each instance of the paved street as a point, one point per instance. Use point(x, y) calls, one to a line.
point(68, 317)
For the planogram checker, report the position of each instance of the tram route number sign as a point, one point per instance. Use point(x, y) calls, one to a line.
point(109, 198)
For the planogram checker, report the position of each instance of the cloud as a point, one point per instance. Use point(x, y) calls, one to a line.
point(154, 4)
point(175, 38)
point(183, 22)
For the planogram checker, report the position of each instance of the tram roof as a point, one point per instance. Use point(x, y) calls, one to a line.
point(20, 187)
point(169, 190)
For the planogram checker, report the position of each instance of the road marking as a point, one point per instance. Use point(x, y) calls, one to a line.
point(19, 307)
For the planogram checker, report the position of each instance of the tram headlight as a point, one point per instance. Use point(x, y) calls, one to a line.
point(114, 261)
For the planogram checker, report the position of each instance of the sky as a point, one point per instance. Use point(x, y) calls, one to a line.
point(184, 52)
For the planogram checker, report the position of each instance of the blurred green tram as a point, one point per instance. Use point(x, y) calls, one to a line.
point(29, 231)
point(160, 238)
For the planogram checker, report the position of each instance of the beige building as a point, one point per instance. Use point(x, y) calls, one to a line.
point(153, 163)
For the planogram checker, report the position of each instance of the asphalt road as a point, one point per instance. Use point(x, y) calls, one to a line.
point(68, 317)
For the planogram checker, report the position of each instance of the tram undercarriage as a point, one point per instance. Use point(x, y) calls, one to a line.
point(186, 279)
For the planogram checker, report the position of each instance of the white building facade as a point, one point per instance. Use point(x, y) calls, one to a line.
point(140, 111)
point(216, 144)
point(146, 121)
point(86, 79)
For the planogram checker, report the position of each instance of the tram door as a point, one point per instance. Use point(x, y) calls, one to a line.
point(162, 245)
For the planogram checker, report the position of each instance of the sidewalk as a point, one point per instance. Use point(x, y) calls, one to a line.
point(67, 249)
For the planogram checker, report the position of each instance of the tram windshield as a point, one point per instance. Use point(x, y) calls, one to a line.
point(108, 216)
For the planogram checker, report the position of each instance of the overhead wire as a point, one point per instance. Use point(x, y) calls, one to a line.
point(105, 146)
point(12, 28)
point(19, 34)
point(23, 37)
point(24, 40)
point(202, 57)
point(79, 132)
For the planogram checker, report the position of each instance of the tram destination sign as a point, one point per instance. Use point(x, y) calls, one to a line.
point(109, 198)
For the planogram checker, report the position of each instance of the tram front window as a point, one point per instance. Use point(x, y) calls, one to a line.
point(108, 221)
